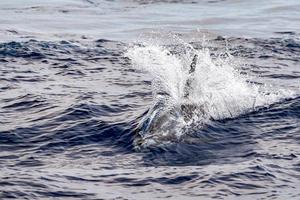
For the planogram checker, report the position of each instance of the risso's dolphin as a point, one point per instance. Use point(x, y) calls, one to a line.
point(164, 122)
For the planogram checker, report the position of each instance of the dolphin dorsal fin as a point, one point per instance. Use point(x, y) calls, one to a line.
point(188, 81)
point(193, 64)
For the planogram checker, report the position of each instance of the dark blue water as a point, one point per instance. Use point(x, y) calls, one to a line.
point(71, 102)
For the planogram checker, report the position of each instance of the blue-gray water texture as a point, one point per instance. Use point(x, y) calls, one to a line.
point(71, 101)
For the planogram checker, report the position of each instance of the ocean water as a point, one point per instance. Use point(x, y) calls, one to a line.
point(91, 94)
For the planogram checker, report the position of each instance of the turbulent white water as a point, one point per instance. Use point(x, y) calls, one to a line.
point(218, 88)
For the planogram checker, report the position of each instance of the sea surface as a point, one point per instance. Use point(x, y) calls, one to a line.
point(88, 89)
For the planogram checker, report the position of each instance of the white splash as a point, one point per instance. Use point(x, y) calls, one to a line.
point(218, 87)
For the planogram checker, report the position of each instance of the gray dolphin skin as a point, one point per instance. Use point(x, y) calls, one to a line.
point(161, 119)
point(188, 83)
point(189, 109)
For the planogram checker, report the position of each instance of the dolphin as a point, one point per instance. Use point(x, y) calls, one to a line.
point(166, 123)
